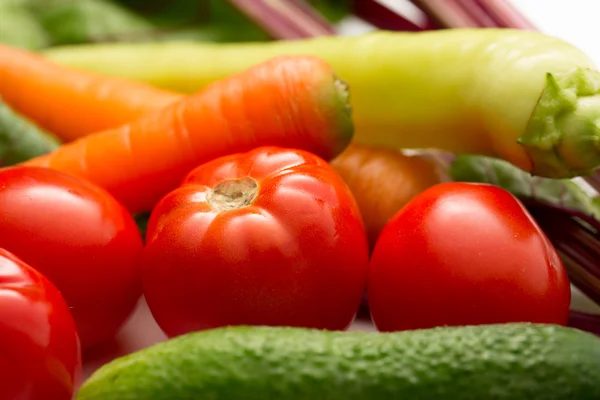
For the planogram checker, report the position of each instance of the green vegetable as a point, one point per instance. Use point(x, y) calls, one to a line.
point(494, 362)
point(563, 194)
point(36, 24)
point(207, 21)
point(518, 95)
point(21, 139)
point(20, 28)
point(332, 10)
point(83, 21)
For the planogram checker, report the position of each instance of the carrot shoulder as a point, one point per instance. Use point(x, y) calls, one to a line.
point(72, 103)
point(288, 101)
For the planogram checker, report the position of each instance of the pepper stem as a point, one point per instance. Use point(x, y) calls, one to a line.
point(562, 138)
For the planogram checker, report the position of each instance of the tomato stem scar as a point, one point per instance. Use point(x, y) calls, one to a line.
point(232, 194)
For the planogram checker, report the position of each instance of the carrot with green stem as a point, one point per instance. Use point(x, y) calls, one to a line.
point(294, 102)
point(71, 103)
point(523, 96)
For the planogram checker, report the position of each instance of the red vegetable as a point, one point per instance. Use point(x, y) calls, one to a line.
point(40, 357)
point(463, 254)
point(269, 237)
point(80, 238)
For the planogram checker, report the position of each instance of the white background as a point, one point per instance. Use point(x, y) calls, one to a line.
point(576, 21)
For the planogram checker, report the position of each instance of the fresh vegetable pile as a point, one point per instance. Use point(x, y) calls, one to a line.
point(257, 195)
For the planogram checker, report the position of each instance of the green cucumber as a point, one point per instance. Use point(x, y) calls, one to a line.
point(494, 362)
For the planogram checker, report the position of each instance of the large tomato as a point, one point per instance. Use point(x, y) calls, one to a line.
point(80, 238)
point(40, 357)
point(465, 254)
point(269, 237)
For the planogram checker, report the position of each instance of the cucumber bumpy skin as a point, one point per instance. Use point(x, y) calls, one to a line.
point(495, 362)
point(460, 90)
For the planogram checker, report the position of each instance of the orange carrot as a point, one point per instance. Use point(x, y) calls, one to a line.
point(288, 101)
point(72, 103)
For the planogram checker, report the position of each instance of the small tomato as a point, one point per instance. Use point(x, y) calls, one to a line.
point(383, 181)
point(465, 254)
point(40, 356)
point(269, 237)
point(80, 238)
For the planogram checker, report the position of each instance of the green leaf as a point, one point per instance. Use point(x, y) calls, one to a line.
point(20, 28)
point(560, 193)
point(333, 10)
point(217, 20)
point(37, 24)
point(84, 21)
point(207, 20)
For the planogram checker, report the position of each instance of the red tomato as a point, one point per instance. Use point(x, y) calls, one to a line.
point(40, 357)
point(269, 237)
point(465, 254)
point(80, 238)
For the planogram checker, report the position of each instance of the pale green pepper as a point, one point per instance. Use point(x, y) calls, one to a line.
point(528, 98)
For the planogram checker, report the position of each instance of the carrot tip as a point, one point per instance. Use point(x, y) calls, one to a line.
point(343, 125)
point(343, 90)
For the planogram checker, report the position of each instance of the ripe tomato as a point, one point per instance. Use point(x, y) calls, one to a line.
point(40, 357)
point(80, 238)
point(465, 254)
point(269, 237)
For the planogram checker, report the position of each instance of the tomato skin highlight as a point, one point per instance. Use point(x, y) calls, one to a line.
point(40, 354)
point(80, 238)
point(465, 254)
point(297, 255)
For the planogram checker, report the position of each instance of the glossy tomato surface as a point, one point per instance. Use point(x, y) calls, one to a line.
point(465, 254)
point(80, 238)
point(40, 356)
point(269, 237)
